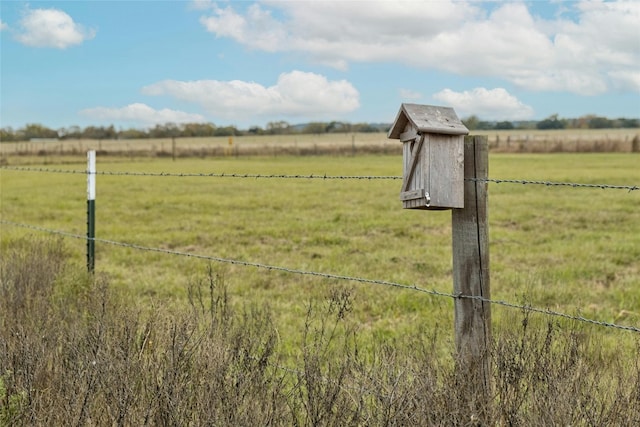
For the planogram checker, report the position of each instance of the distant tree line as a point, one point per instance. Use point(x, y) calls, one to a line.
point(169, 130)
point(554, 122)
point(172, 130)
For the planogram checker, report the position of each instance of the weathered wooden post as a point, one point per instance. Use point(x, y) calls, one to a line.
point(443, 169)
point(471, 272)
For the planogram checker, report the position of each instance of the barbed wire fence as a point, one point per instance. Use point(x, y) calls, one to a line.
point(412, 287)
point(545, 183)
point(404, 286)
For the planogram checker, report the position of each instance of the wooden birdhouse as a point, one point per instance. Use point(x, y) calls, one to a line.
point(433, 156)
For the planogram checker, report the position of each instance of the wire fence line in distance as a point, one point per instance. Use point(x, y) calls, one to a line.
point(414, 287)
point(545, 183)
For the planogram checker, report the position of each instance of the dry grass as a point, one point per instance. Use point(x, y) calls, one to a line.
point(74, 352)
point(513, 141)
point(563, 141)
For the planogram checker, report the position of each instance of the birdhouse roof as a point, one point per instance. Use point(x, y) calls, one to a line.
point(427, 119)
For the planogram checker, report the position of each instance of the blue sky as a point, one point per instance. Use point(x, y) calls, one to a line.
point(139, 63)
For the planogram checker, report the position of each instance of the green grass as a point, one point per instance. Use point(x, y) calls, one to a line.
point(567, 249)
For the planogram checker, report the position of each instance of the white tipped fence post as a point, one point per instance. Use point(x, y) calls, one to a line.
point(91, 210)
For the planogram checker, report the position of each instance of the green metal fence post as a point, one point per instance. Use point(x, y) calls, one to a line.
point(91, 210)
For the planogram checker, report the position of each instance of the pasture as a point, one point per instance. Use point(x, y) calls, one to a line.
point(572, 250)
point(568, 249)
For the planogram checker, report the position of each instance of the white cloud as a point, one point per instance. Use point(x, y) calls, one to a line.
point(201, 4)
point(581, 54)
point(295, 94)
point(141, 114)
point(3, 25)
point(488, 104)
point(602, 49)
point(51, 28)
point(257, 30)
point(626, 80)
point(336, 33)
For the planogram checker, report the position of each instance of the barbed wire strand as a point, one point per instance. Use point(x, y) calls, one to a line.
point(629, 188)
point(201, 175)
point(556, 184)
point(432, 292)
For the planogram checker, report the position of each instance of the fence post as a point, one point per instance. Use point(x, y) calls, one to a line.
point(443, 169)
point(471, 273)
point(91, 209)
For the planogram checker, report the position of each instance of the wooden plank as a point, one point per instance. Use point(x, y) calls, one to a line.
point(414, 204)
point(413, 194)
point(406, 154)
point(471, 272)
point(425, 169)
point(415, 155)
point(410, 134)
point(446, 171)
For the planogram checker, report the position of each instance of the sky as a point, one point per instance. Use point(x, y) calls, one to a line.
point(244, 63)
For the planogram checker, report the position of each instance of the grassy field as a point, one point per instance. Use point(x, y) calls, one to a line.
point(573, 250)
point(566, 249)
